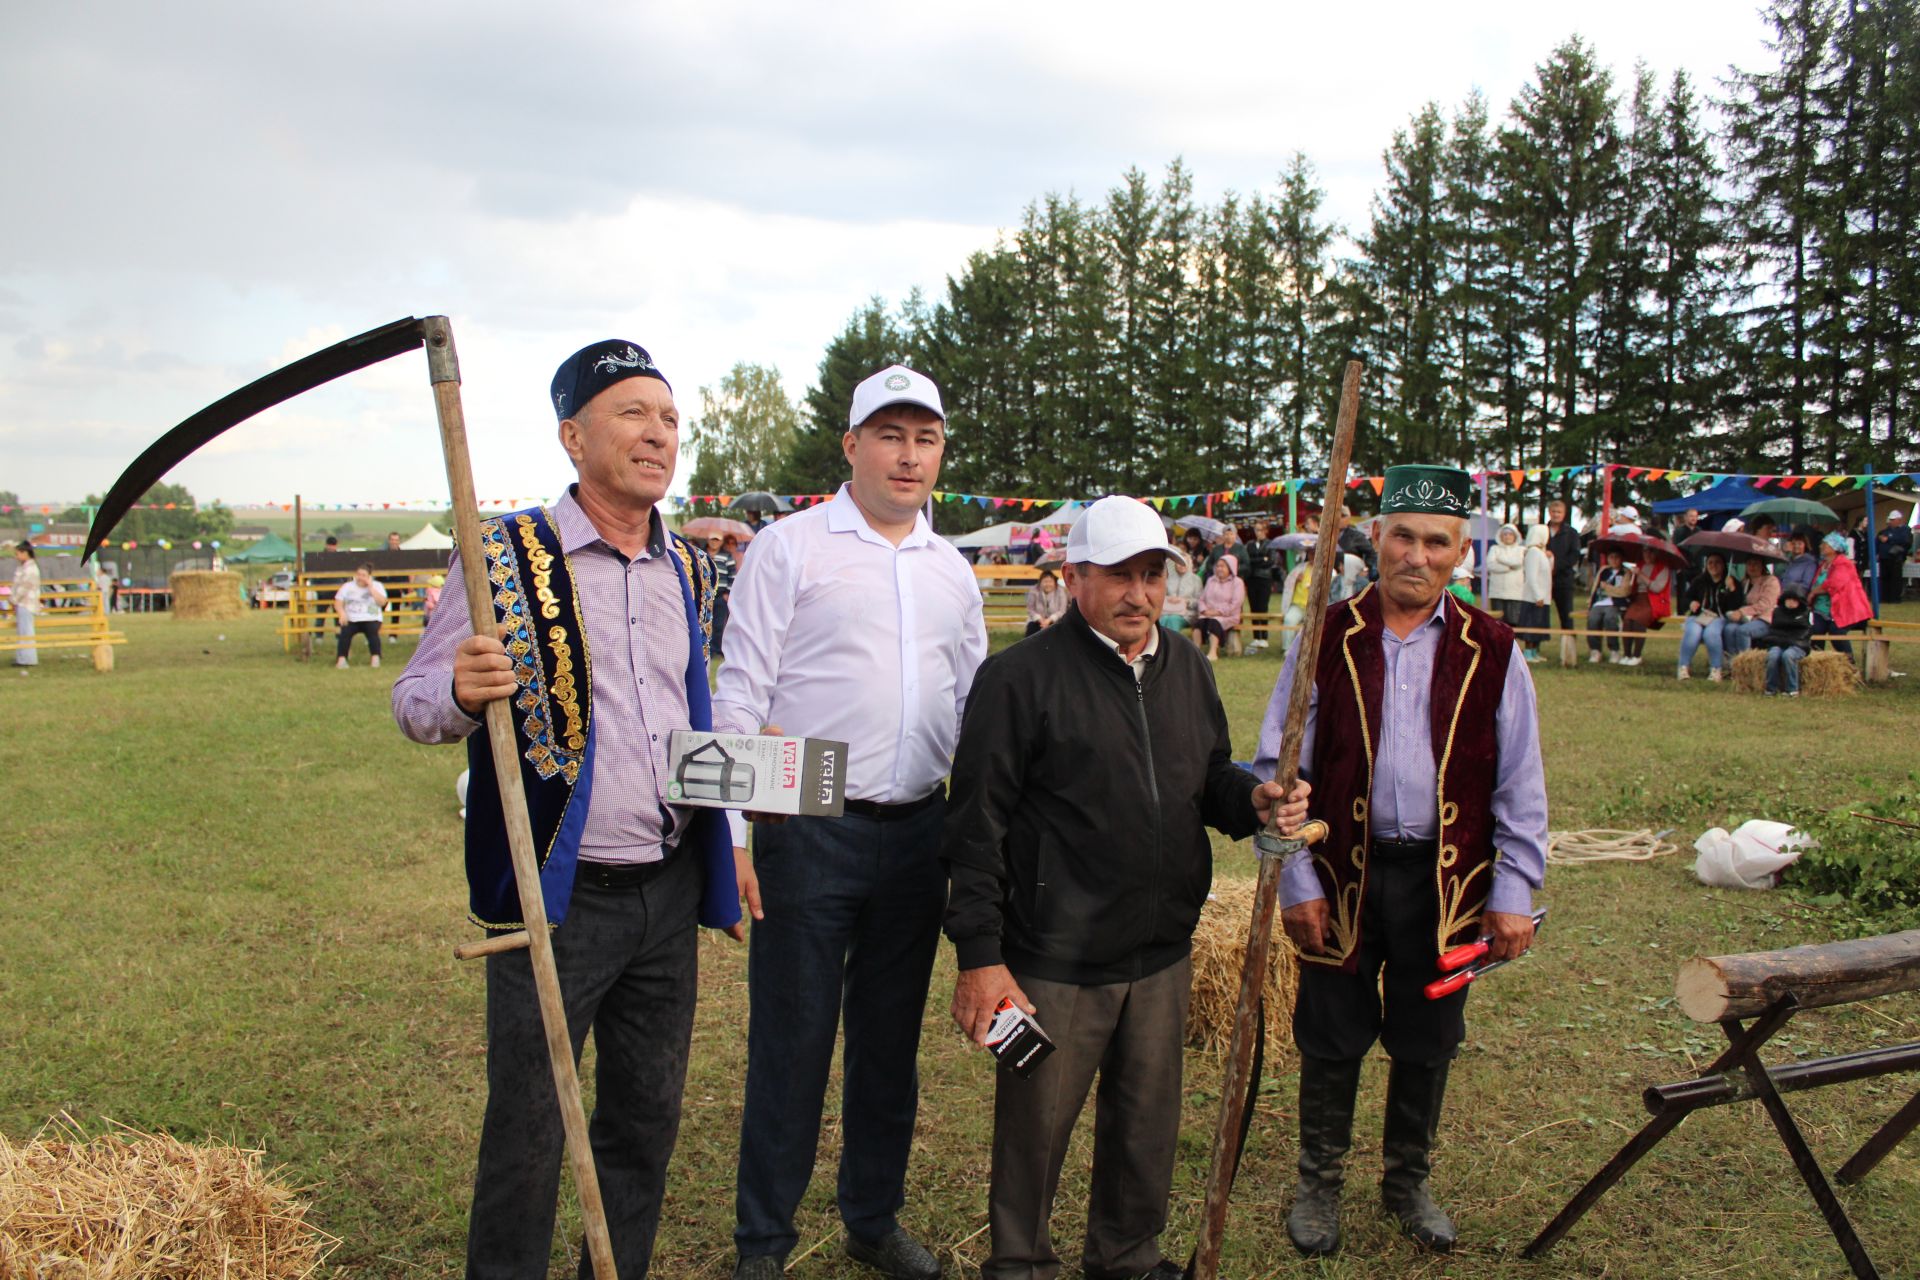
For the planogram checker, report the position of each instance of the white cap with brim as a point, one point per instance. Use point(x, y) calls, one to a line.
point(896, 384)
point(1116, 529)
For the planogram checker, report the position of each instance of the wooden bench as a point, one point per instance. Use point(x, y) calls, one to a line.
point(73, 615)
point(310, 616)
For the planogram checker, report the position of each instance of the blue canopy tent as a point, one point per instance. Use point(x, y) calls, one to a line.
point(1731, 494)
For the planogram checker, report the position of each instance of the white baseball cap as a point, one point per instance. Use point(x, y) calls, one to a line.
point(1115, 530)
point(895, 384)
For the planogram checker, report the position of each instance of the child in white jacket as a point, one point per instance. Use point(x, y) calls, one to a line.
point(1536, 578)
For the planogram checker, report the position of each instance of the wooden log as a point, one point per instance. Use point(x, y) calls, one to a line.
point(1714, 988)
point(493, 946)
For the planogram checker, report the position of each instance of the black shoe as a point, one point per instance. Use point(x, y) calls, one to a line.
point(898, 1255)
point(1327, 1088)
point(1414, 1094)
point(763, 1267)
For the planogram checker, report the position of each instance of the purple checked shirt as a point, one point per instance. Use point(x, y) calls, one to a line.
point(637, 641)
point(1405, 804)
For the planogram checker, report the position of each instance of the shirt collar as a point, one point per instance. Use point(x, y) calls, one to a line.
point(577, 530)
point(1153, 643)
point(845, 516)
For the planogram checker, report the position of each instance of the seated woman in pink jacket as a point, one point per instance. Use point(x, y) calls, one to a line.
point(1221, 600)
point(1839, 601)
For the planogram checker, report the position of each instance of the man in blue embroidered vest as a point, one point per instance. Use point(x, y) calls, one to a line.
point(603, 618)
point(1423, 751)
point(850, 621)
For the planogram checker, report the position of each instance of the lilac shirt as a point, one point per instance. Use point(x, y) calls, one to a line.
point(637, 641)
point(1405, 803)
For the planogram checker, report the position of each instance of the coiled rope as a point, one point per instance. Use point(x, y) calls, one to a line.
point(1607, 844)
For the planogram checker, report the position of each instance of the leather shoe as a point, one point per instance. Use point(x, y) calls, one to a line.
point(898, 1255)
point(763, 1267)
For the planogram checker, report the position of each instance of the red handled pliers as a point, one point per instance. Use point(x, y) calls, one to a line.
point(1466, 962)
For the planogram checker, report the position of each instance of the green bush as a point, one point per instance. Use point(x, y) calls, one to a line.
point(1871, 866)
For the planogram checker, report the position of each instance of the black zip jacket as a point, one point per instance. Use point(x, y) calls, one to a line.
point(1076, 835)
point(1788, 629)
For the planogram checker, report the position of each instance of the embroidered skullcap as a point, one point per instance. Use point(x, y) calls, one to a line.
point(595, 367)
point(1422, 490)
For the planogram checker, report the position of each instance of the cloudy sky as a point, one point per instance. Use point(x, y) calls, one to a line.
point(198, 193)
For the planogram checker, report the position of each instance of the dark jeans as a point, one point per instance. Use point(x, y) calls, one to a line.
point(720, 615)
point(348, 630)
point(1823, 627)
point(1563, 601)
point(628, 964)
point(1132, 1034)
point(853, 908)
point(1339, 1015)
point(1259, 596)
point(1892, 584)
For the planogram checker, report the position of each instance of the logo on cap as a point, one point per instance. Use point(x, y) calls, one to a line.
point(898, 382)
point(614, 361)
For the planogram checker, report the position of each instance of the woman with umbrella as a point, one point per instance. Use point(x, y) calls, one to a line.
point(1712, 596)
point(1751, 620)
point(1839, 601)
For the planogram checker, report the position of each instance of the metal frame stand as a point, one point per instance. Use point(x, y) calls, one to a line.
point(1738, 1075)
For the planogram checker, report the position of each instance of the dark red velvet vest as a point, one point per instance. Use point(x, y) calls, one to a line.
point(1469, 676)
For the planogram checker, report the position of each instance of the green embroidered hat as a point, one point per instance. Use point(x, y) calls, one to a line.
point(1428, 491)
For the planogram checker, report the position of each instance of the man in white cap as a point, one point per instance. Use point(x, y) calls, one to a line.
point(849, 621)
point(1093, 758)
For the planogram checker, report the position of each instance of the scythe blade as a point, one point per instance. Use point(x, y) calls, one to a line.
point(283, 384)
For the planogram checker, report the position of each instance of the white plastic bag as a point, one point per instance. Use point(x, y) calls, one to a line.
point(1749, 858)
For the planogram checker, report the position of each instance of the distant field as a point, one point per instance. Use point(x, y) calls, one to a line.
point(232, 887)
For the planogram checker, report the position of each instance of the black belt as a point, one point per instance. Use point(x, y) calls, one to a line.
point(620, 877)
point(895, 812)
point(1403, 850)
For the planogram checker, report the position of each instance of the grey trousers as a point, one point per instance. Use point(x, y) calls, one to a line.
point(1131, 1034)
point(628, 971)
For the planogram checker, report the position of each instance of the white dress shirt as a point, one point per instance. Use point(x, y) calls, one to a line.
point(834, 632)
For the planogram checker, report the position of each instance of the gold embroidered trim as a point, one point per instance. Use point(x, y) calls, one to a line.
point(1344, 914)
point(1453, 917)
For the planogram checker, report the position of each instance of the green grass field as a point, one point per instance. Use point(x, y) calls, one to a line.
point(232, 888)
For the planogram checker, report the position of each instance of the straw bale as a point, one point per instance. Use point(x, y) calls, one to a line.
point(1750, 671)
point(1828, 675)
point(140, 1206)
point(201, 593)
point(1219, 955)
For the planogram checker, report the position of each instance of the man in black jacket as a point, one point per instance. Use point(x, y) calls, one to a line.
point(1092, 758)
point(1563, 544)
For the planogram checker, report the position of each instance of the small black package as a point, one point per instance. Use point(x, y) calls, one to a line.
point(1017, 1040)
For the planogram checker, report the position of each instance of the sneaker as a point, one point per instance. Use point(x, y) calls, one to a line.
point(1615, 659)
point(1629, 662)
point(1686, 673)
point(1593, 656)
point(1772, 694)
point(1713, 676)
point(763, 1267)
point(376, 661)
point(340, 664)
point(1793, 693)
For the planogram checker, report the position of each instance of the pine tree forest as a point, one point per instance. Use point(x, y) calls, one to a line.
point(1618, 268)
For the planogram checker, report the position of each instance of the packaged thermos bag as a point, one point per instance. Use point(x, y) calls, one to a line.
point(757, 772)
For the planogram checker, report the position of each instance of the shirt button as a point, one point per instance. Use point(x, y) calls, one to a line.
point(633, 622)
point(656, 737)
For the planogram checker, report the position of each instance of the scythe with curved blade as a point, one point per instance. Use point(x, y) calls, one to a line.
point(443, 367)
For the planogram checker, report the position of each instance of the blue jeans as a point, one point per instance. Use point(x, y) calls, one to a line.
point(853, 910)
point(1783, 669)
point(1696, 630)
point(1738, 637)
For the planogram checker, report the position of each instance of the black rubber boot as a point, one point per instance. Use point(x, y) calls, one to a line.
point(1327, 1088)
point(1414, 1094)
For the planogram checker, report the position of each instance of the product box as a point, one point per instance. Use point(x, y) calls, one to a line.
point(1017, 1040)
point(757, 772)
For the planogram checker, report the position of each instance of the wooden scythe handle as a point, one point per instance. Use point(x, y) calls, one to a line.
point(1233, 1089)
point(443, 366)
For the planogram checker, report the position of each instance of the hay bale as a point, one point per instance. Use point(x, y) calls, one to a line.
point(1827, 674)
point(200, 593)
point(133, 1205)
point(1219, 954)
point(1750, 671)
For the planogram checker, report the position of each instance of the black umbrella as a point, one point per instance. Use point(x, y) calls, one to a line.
point(1735, 544)
point(765, 504)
